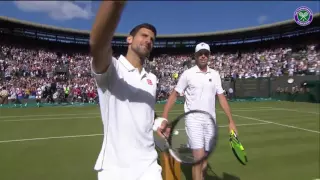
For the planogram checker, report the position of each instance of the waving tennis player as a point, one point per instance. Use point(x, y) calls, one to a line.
point(200, 85)
point(127, 98)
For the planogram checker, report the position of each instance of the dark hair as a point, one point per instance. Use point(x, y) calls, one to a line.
point(134, 31)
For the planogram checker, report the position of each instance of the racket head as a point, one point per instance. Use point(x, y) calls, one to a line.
point(237, 148)
point(193, 137)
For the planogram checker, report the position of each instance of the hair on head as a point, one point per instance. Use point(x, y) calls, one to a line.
point(134, 31)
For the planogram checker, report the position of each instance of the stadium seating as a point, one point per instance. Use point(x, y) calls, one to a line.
point(39, 69)
point(26, 71)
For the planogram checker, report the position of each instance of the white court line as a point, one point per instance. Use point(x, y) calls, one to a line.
point(98, 113)
point(47, 115)
point(48, 119)
point(79, 114)
point(261, 120)
point(46, 138)
point(250, 110)
point(253, 107)
point(294, 110)
point(87, 117)
point(238, 125)
point(91, 135)
point(61, 118)
point(251, 124)
point(284, 125)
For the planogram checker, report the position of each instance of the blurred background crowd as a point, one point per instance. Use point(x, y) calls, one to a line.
point(57, 76)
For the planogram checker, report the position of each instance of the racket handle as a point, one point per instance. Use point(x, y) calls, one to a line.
point(233, 133)
point(164, 135)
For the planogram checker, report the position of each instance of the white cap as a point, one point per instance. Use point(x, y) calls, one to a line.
point(201, 46)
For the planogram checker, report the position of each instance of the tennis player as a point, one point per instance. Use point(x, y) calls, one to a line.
point(127, 98)
point(200, 84)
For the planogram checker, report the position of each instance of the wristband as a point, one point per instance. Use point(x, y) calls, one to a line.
point(157, 123)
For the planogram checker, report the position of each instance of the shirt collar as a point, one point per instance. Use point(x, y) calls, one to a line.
point(199, 71)
point(124, 61)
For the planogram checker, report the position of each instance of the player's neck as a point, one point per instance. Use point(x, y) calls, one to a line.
point(203, 69)
point(135, 60)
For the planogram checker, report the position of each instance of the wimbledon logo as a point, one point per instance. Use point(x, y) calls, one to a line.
point(303, 16)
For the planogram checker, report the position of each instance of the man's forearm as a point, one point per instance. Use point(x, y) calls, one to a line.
point(101, 35)
point(225, 106)
point(171, 100)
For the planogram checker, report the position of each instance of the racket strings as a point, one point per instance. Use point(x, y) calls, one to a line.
point(192, 135)
point(238, 149)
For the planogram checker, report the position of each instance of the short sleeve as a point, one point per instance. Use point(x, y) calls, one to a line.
point(103, 79)
point(182, 83)
point(218, 84)
point(154, 79)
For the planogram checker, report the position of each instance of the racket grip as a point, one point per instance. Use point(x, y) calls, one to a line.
point(233, 133)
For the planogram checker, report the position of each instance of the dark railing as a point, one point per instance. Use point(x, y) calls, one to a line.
point(302, 88)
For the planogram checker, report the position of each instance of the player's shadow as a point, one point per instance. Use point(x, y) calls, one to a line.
point(211, 175)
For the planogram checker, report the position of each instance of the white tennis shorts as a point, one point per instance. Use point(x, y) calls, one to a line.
point(200, 133)
point(152, 173)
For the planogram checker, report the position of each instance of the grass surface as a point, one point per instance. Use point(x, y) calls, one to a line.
point(62, 143)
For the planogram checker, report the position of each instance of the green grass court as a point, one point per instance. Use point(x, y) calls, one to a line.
point(62, 143)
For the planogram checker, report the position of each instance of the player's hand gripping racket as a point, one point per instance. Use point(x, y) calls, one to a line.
point(192, 138)
point(237, 148)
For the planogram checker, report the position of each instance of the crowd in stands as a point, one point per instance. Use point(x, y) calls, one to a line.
point(52, 76)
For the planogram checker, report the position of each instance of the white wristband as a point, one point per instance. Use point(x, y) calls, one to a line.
point(157, 123)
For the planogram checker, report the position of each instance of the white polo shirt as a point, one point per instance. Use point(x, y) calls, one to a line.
point(200, 89)
point(127, 100)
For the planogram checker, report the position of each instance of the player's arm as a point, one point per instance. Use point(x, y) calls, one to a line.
point(181, 86)
point(101, 35)
point(224, 103)
point(225, 106)
point(170, 102)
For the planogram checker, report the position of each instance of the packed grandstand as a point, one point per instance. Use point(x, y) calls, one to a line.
point(52, 64)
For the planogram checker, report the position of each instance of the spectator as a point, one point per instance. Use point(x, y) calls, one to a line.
point(4, 96)
point(28, 72)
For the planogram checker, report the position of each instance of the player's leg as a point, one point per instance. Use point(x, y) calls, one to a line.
point(197, 172)
point(204, 167)
point(195, 135)
point(208, 134)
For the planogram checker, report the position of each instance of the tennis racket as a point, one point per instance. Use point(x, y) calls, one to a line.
point(192, 138)
point(237, 148)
